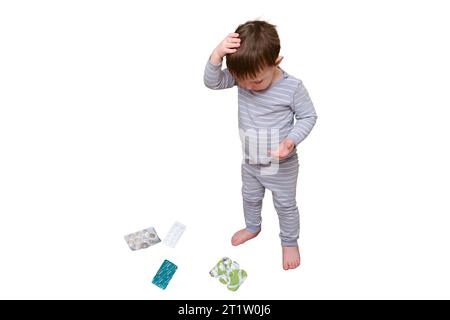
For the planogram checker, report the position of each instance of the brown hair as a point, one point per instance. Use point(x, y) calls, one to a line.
point(260, 47)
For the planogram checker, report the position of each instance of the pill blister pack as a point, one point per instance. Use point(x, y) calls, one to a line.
point(229, 273)
point(164, 274)
point(142, 239)
point(174, 234)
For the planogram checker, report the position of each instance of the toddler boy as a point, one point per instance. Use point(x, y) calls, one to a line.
point(269, 99)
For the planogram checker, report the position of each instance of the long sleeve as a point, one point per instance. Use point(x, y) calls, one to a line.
point(305, 114)
point(215, 78)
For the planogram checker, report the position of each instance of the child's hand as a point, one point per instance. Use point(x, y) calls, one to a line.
point(285, 148)
point(228, 45)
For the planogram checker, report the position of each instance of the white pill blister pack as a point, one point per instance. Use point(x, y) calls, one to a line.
point(174, 234)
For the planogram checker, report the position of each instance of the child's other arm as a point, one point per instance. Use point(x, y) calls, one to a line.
point(304, 113)
point(214, 77)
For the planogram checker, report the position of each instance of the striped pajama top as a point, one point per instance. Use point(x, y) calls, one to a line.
point(267, 117)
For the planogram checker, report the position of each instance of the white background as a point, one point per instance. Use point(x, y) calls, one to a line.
point(106, 128)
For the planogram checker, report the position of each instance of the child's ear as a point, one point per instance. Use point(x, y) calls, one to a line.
point(278, 60)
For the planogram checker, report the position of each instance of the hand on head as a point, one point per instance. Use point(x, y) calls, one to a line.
point(226, 46)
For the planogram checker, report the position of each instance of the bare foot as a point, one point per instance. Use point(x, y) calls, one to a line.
point(291, 258)
point(242, 236)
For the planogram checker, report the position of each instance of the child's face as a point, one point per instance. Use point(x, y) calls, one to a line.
point(263, 79)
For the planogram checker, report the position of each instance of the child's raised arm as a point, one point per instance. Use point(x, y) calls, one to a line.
point(228, 45)
point(214, 77)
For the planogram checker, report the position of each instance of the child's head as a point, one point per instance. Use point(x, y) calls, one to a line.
point(255, 62)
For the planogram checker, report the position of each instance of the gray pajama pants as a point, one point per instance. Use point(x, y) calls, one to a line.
point(283, 184)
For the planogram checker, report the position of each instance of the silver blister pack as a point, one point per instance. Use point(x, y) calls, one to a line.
point(142, 239)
